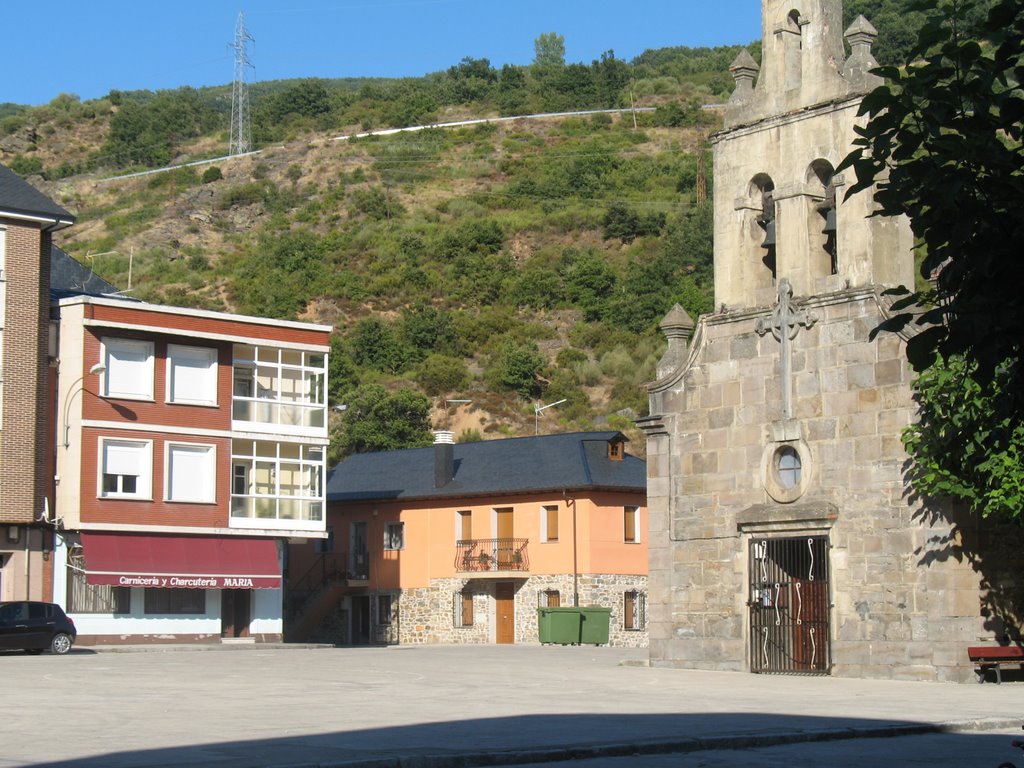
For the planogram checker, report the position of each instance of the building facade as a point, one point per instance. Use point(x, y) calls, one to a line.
point(190, 446)
point(27, 220)
point(784, 536)
point(463, 543)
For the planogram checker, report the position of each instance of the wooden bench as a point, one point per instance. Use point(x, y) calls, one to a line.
point(992, 656)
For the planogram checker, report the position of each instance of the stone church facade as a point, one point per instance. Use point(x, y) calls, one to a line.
point(784, 537)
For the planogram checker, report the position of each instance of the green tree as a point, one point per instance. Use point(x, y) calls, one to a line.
point(426, 328)
point(965, 444)
point(611, 76)
point(441, 374)
point(515, 366)
point(376, 419)
point(150, 130)
point(549, 51)
point(513, 96)
point(943, 140)
point(278, 274)
point(589, 281)
point(306, 98)
point(375, 345)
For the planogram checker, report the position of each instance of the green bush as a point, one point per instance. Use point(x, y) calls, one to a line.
point(24, 165)
point(515, 367)
point(212, 173)
point(441, 374)
point(375, 344)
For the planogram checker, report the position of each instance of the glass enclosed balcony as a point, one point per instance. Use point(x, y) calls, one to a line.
point(277, 485)
point(279, 389)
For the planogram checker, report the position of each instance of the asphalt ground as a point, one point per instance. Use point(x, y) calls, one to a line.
point(456, 706)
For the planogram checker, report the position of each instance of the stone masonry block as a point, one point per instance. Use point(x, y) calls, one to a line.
point(721, 417)
point(836, 333)
point(861, 375)
point(890, 372)
point(752, 390)
point(732, 393)
point(856, 353)
point(711, 396)
point(706, 463)
point(833, 380)
point(743, 347)
point(821, 429)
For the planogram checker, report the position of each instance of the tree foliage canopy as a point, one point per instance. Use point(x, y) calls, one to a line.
point(376, 419)
point(943, 142)
point(965, 443)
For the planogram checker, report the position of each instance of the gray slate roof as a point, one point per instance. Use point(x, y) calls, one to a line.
point(68, 277)
point(19, 197)
point(574, 461)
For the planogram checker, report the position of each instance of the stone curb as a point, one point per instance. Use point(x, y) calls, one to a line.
point(185, 648)
point(677, 746)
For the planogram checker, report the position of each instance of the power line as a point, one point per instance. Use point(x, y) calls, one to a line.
point(241, 125)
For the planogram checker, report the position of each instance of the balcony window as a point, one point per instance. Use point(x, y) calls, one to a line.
point(276, 484)
point(282, 387)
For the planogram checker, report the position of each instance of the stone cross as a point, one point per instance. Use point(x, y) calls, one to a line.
point(784, 325)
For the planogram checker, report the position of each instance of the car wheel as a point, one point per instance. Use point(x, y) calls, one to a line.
point(33, 651)
point(60, 644)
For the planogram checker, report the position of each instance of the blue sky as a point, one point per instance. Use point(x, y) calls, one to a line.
point(90, 48)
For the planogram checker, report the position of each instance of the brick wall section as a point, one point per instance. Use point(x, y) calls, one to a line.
point(23, 438)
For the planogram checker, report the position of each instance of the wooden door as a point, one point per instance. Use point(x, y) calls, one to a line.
point(505, 546)
point(505, 613)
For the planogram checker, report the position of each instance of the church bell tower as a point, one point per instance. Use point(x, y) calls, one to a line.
point(779, 208)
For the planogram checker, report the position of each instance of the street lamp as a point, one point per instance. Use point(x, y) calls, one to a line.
point(98, 368)
point(538, 408)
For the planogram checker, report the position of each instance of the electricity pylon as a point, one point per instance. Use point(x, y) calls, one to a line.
point(241, 126)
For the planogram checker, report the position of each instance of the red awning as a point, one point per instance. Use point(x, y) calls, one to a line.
point(186, 562)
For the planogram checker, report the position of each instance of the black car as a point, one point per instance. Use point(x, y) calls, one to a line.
point(35, 626)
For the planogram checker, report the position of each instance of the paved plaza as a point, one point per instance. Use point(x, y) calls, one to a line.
point(430, 707)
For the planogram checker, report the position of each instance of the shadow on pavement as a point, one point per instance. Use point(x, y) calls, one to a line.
point(518, 740)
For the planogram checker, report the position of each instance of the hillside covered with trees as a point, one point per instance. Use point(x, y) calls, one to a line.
point(510, 264)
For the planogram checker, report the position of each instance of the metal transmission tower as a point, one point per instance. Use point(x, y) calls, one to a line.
point(241, 127)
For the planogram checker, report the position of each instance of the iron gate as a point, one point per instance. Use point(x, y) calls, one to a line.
point(789, 606)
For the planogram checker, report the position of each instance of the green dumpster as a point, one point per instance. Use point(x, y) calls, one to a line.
point(594, 628)
point(559, 625)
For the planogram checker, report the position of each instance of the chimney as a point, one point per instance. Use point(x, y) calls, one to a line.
point(444, 457)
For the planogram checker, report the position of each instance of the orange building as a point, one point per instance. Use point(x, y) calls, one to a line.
point(462, 543)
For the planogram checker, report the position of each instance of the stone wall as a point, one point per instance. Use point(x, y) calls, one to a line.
point(906, 588)
point(427, 616)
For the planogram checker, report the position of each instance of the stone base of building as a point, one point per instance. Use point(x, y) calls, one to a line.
point(438, 614)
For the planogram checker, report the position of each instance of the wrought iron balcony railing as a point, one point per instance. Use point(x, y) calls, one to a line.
point(484, 555)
